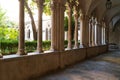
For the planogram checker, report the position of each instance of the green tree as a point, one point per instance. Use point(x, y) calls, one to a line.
point(8, 33)
point(47, 10)
point(2, 17)
point(29, 8)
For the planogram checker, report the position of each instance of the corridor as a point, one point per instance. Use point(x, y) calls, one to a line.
point(103, 67)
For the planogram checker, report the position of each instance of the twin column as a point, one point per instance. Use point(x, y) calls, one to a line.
point(57, 38)
point(57, 41)
point(57, 32)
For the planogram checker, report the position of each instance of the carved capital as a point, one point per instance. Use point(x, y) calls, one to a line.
point(40, 3)
point(76, 14)
point(53, 5)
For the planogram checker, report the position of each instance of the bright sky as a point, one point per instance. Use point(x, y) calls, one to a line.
point(12, 8)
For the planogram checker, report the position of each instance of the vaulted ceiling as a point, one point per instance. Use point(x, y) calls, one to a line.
point(99, 8)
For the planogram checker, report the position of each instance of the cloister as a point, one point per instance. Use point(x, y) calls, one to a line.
point(95, 17)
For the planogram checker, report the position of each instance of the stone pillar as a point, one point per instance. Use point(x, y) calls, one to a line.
point(76, 15)
point(107, 34)
point(90, 32)
point(69, 13)
point(97, 33)
point(100, 33)
point(84, 31)
point(21, 44)
point(39, 33)
point(87, 30)
point(103, 33)
point(57, 41)
point(93, 31)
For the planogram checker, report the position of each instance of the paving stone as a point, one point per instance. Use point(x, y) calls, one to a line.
point(103, 67)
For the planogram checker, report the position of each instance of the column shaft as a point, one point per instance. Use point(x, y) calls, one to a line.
point(100, 35)
point(57, 41)
point(39, 33)
point(76, 28)
point(53, 6)
point(84, 31)
point(93, 32)
point(97, 34)
point(21, 44)
point(90, 32)
point(69, 26)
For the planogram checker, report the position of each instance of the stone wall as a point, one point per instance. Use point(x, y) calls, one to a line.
point(114, 37)
point(30, 66)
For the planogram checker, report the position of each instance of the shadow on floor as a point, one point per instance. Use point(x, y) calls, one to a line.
point(103, 67)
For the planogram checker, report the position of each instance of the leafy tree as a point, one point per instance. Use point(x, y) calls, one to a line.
point(8, 33)
point(47, 10)
point(4, 20)
point(2, 17)
point(29, 8)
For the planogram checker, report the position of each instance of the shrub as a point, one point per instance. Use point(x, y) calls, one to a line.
point(11, 46)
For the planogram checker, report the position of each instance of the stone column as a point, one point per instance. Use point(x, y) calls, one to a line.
point(69, 13)
point(97, 33)
point(39, 32)
point(76, 15)
point(100, 33)
point(103, 33)
point(93, 31)
point(53, 9)
point(107, 34)
point(84, 31)
point(21, 44)
point(57, 40)
point(90, 32)
point(87, 30)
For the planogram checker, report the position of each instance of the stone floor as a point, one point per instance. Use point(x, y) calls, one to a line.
point(103, 67)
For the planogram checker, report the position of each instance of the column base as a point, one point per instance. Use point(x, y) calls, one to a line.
point(82, 46)
point(52, 50)
point(21, 52)
point(68, 48)
point(76, 47)
point(90, 45)
point(93, 44)
point(40, 51)
point(96, 44)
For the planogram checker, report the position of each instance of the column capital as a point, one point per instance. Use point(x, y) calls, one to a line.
point(55, 5)
point(70, 4)
point(40, 3)
point(76, 13)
